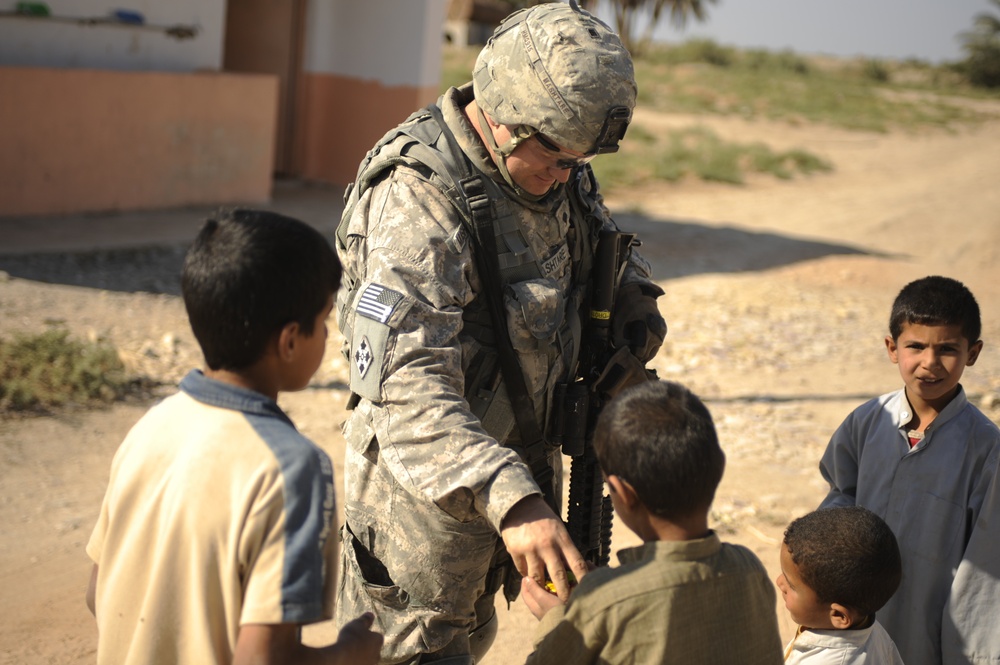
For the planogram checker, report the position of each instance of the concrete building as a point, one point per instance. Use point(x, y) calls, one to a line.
point(201, 101)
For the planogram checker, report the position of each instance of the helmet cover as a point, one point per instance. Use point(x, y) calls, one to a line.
point(560, 71)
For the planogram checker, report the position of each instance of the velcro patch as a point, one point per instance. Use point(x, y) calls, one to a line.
point(377, 302)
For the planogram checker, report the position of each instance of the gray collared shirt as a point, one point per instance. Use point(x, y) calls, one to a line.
point(941, 499)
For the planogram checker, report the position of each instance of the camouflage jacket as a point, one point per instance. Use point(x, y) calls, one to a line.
point(408, 309)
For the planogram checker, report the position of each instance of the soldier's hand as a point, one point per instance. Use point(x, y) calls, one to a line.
point(637, 323)
point(539, 544)
point(623, 370)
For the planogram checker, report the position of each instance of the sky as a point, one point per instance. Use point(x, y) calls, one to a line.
point(891, 29)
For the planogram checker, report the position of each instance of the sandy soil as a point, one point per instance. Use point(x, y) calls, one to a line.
point(777, 296)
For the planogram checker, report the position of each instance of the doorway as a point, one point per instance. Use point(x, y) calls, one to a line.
point(266, 37)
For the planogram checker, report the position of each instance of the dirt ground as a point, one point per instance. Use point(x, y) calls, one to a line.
point(777, 299)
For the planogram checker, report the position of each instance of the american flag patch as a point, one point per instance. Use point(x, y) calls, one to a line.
point(377, 302)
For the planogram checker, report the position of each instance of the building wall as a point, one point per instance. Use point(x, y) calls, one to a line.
point(116, 117)
point(368, 65)
point(76, 140)
point(59, 41)
point(112, 117)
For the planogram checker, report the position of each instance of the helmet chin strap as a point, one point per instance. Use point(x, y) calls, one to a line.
point(502, 152)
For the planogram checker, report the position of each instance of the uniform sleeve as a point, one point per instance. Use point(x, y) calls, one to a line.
point(839, 465)
point(969, 626)
point(428, 438)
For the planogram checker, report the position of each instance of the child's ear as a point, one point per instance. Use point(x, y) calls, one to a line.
point(288, 341)
point(626, 493)
point(841, 617)
point(974, 352)
point(890, 346)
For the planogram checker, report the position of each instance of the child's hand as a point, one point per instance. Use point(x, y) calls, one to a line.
point(538, 600)
point(357, 644)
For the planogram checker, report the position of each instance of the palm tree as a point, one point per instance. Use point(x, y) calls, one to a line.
point(627, 13)
point(982, 48)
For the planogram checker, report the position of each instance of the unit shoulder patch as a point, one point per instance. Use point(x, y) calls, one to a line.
point(363, 357)
point(379, 310)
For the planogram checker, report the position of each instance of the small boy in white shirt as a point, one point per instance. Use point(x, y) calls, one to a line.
point(838, 567)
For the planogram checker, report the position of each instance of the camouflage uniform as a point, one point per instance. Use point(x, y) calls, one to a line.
point(427, 482)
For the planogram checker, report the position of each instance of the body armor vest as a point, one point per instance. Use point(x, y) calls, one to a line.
point(424, 143)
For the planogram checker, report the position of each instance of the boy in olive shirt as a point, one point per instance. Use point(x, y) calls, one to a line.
point(683, 596)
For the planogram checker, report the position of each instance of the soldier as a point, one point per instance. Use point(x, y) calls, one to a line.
point(470, 230)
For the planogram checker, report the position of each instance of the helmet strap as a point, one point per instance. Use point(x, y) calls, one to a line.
point(502, 152)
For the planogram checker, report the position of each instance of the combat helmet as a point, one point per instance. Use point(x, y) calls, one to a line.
point(559, 71)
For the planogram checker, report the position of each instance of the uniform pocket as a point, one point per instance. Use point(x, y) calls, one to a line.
point(363, 571)
point(535, 310)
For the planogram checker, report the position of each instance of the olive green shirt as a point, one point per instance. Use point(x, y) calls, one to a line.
point(690, 602)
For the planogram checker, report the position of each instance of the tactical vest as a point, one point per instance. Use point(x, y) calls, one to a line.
point(424, 143)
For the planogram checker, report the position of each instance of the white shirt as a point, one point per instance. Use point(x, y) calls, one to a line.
point(863, 646)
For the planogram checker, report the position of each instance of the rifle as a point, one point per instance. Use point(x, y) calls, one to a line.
point(579, 403)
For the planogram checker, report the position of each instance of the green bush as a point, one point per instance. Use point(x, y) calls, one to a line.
point(875, 70)
point(789, 61)
point(45, 370)
point(704, 51)
point(786, 86)
point(707, 51)
point(699, 152)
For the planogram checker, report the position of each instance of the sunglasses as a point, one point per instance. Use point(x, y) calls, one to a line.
point(567, 161)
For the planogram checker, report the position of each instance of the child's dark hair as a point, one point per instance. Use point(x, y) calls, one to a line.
point(659, 437)
point(846, 555)
point(247, 275)
point(936, 301)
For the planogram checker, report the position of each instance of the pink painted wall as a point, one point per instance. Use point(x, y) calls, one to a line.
point(341, 118)
point(77, 140)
